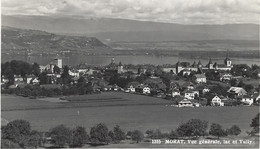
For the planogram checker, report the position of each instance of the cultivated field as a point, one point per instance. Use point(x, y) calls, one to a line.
point(127, 110)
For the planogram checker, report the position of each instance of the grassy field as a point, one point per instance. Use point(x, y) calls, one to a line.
point(127, 110)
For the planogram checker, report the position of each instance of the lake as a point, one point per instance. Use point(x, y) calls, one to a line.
point(129, 59)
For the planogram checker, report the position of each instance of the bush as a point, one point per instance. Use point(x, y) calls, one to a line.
point(60, 136)
point(234, 130)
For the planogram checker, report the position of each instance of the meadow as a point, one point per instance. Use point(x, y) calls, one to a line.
point(129, 111)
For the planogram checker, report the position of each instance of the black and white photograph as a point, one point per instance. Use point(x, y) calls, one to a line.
point(130, 73)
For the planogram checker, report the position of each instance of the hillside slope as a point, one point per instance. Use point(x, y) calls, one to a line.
point(39, 41)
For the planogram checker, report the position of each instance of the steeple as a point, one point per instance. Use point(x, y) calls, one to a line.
point(210, 61)
point(227, 60)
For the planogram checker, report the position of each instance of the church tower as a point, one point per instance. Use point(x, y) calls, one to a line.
point(227, 60)
point(210, 65)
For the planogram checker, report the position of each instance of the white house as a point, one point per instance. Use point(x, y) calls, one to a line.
point(247, 100)
point(185, 103)
point(175, 92)
point(216, 101)
point(190, 94)
point(146, 90)
point(74, 73)
point(200, 78)
point(131, 89)
point(225, 76)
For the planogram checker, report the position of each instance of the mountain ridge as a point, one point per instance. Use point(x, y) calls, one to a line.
point(112, 29)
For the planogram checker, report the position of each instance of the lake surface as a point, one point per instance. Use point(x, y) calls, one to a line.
point(130, 59)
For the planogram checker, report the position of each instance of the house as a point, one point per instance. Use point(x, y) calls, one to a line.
point(191, 94)
point(175, 92)
point(34, 81)
point(202, 88)
point(247, 99)
point(225, 76)
point(29, 78)
point(200, 78)
point(186, 72)
point(216, 101)
point(74, 73)
point(236, 91)
point(144, 89)
point(4, 80)
point(188, 85)
point(18, 78)
point(185, 103)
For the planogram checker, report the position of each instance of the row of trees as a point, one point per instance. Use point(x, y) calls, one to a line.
point(9, 69)
point(18, 133)
point(36, 90)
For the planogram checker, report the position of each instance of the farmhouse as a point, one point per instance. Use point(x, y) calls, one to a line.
point(236, 91)
point(191, 94)
point(185, 103)
point(175, 92)
point(200, 78)
point(247, 99)
point(216, 101)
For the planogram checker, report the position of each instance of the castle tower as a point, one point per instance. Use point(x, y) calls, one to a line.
point(120, 68)
point(227, 60)
point(58, 62)
point(179, 67)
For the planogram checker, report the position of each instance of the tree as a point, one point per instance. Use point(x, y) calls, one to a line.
point(249, 88)
point(17, 131)
point(234, 130)
point(99, 134)
point(194, 127)
point(36, 69)
point(173, 135)
point(137, 136)
point(241, 84)
point(56, 69)
point(34, 139)
point(216, 130)
point(118, 134)
point(60, 135)
point(79, 137)
point(255, 124)
point(43, 78)
point(233, 82)
point(66, 78)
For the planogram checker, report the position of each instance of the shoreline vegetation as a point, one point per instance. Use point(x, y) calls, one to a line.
point(194, 132)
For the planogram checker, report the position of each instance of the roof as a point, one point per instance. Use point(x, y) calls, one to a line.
point(200, 76)
point(236, 89)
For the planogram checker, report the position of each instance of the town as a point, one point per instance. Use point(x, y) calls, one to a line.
point(185, 84)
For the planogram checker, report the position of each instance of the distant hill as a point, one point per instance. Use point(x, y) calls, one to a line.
point(112, 30)
point(14, 38)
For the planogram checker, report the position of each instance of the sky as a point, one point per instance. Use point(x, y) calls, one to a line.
point(169, 11)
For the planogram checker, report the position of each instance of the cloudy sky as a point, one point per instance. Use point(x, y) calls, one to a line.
point(172, 11)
